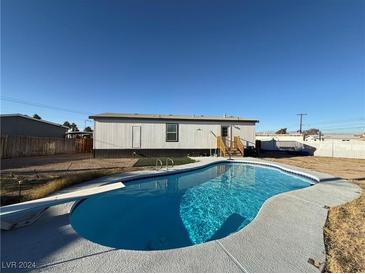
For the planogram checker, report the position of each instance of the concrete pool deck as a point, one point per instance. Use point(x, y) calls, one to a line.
point(286, 233)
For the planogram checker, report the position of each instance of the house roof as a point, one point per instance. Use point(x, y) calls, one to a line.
point(172, 117)
point(31, 118)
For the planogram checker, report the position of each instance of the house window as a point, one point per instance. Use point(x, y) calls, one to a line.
point(172, 133)
point(224, 131)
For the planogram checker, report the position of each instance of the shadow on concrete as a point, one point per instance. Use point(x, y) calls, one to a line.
point(358, 179)
point(33, 243)
point(331, 179)
point(75, 259)
point(278, 154)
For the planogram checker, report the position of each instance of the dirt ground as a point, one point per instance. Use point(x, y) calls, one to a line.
point(30, 178)
point(351, 169)
point(344, 231)
point(58, 165)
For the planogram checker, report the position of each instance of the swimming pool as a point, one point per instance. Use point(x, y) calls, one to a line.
point(181, 209)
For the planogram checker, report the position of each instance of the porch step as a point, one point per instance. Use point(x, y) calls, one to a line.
point(235, 152)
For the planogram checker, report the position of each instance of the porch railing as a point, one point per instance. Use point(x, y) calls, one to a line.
point(223, 151)
point(239, 145)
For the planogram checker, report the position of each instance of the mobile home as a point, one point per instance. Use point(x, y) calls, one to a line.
point(127, 135)
point(23, 125)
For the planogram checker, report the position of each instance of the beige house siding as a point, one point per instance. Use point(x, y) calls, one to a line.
point(117, 133)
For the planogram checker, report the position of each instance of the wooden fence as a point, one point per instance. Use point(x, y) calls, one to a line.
point(21, 146)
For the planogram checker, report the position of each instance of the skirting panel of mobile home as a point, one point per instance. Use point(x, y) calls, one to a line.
point(130, 153)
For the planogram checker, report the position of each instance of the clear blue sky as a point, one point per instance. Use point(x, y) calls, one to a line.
point(262, 59)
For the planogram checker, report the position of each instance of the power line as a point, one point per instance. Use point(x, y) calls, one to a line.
point(301, 121)
point(23, 102)
point(321, 123)
point(19, 101)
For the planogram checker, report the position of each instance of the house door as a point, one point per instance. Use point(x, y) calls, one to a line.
point(225, 134)
point(136, 137)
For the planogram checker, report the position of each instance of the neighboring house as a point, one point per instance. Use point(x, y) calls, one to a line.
point(334, 145)
point(125, 135)
point(23, 125)
point(78, 134)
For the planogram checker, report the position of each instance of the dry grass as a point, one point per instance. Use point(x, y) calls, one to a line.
point(152, 161)
point(44, 175)
point(60, 183)
point(36, 189)
point(344, 231)
point(344, 235)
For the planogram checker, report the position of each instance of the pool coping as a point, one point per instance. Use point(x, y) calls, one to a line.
point(222, 247)
point(137, 175)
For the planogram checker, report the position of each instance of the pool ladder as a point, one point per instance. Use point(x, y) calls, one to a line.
point(167, 163)
point(159, 163)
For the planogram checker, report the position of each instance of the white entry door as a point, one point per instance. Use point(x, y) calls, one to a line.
point(136, 136)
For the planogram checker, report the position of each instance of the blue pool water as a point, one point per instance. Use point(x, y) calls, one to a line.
point(181, 209)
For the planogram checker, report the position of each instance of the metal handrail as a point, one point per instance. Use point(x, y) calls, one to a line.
point(228, 138)
point(248, 142)
point(167, 163)
point(161, 164)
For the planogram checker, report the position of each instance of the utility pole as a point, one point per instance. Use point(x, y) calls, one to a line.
point(301, 121)
point(87, 120)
